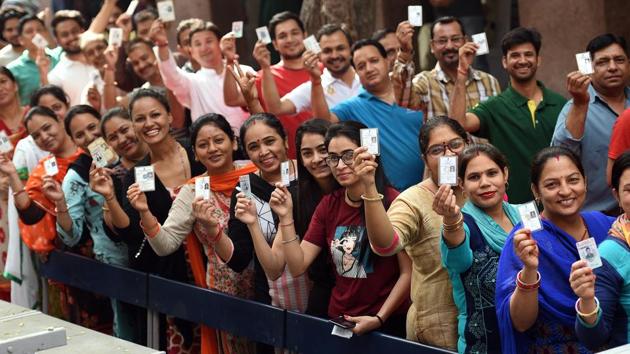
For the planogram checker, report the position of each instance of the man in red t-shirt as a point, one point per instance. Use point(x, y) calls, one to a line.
point(287, 34)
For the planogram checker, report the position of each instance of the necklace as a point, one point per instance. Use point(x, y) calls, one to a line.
point(352, 200)
point(585, 234)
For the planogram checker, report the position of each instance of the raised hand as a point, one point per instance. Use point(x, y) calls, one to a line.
point(203, 213)
point(246, 81)
point(281, 202)
point(364, 166)
point(94, 97)
point(577, 85)
point(6, 165)
point(466, 56)
point(228, 47)
point(262, 55)
point(111, 56)
point(526, 248)
point(157, 32)
point(245, 210)
point(42, 61)
point(311, 63)
point(124, 21)
point(445, 204)
point(404, 34)
point(52, 189)
point(101, 181)
point(582, 280)
point(137, 199)
point(364, 324)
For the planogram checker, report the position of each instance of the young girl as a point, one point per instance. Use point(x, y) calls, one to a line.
point(472, 240)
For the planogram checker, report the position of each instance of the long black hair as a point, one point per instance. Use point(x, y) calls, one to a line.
point(309, 192)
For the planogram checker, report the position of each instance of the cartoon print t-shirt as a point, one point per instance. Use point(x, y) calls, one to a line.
point(363, 279)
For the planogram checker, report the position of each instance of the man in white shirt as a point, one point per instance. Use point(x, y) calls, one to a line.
point(201, 92)
point(9, 20)
point(339, 79)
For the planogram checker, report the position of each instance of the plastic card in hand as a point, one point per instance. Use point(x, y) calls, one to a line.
point(115, 36)
point(263, 34)
point(530, 217)
point(447, 170)
point(39, 41)
point(102, 154)
point(5, 143)
point(246, 187)
point(166, 10)
point(311, 44)
point(588, 251)
point(415, 15)
point(145, 177)
point(50, 166)
point(481, 40)
point(341, 332)
point(369, 139)
point(284, 171)
point(132, 7)
point(584, 62)
point(202, 187)
point(237, 29)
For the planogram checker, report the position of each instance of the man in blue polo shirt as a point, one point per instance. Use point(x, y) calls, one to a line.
point(375, 107)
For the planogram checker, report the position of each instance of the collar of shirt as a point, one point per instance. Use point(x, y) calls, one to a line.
point(520, 100)
point(328, 79)
point(441, 75)
point(594, 95)
point(365, 94)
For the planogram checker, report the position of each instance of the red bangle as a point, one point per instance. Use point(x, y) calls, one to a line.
point(218, 235)
point(526, 286)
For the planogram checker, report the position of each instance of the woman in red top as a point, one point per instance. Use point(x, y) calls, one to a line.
point(370, 290)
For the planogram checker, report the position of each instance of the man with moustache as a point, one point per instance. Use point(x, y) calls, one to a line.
point(519, 121)
point(9, 19)
point(339, 79)
point(287, 35)
point(430, 90)
point(586, 122)
point(375, 106)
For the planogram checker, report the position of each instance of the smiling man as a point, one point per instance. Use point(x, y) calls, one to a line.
point(520, 121)
point(586, 121)
point(9, 20)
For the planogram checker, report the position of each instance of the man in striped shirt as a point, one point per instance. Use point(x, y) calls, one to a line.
point(430, 89)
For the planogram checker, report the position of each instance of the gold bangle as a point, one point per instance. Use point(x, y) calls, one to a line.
point(289, 241)
point(105, 208)
point(585, 315)
point(460, 219)
point(454, 228)
point(378, 198)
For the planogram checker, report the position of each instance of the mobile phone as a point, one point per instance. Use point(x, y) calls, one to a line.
point(342, 322)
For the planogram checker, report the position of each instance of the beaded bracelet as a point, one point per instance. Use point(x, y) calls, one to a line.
point(585, 315)
point(526, 286)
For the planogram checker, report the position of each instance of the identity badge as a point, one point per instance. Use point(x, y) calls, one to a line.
point(102, 154)
point(415, 15)
point(145, 177)
point(311, 44)
point(39, 41)
point(115, 36)
point(529, 216)
point(584, 62)
point(166, 10)
point(202, 187)
point(263, 34)
point(246, 187)
point(5, 143)
point(588, 251)
point(447, 170)
point(369, 139)
point(481, 40)
point(341, 332)
point(284, 171)
point(237, 29)
point(132, 7)
point(50, 166)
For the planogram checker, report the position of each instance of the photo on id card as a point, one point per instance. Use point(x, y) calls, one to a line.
point(530, 216)
point(447, 170)
point(588, 251)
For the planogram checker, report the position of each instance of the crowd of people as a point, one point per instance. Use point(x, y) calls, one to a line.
point(372, 238)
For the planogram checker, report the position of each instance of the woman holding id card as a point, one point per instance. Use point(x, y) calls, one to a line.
point(535, 303)
point(604, 293)
point(472, 240)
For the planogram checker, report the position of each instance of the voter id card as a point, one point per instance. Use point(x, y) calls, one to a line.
point(369, 139)
point(311, 44)
point(245, 185)
point(115, 36)
point(530, 217)
point(263, 34)
point(481, 40)
point(5, 143)
point(102, 154)
point(447, 170)
point(39, 41)
point(145, 177)
point(588, 251)
point(284, 172)
point(202, 187)
point(415, 15)
point(132, 7)
point(166, 10)
point(584, 62)
point(237, 29)
point(50, 166)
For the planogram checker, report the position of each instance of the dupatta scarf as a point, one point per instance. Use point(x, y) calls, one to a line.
point(40, 236)
point(556, 300)
point(621, 228)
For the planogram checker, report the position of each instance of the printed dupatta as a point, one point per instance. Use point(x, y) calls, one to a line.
point(40, 236)
point(621, 228)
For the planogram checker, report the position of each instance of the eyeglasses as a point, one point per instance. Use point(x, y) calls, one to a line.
point(443, 41)
point(332, 160)
point(455, 145)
